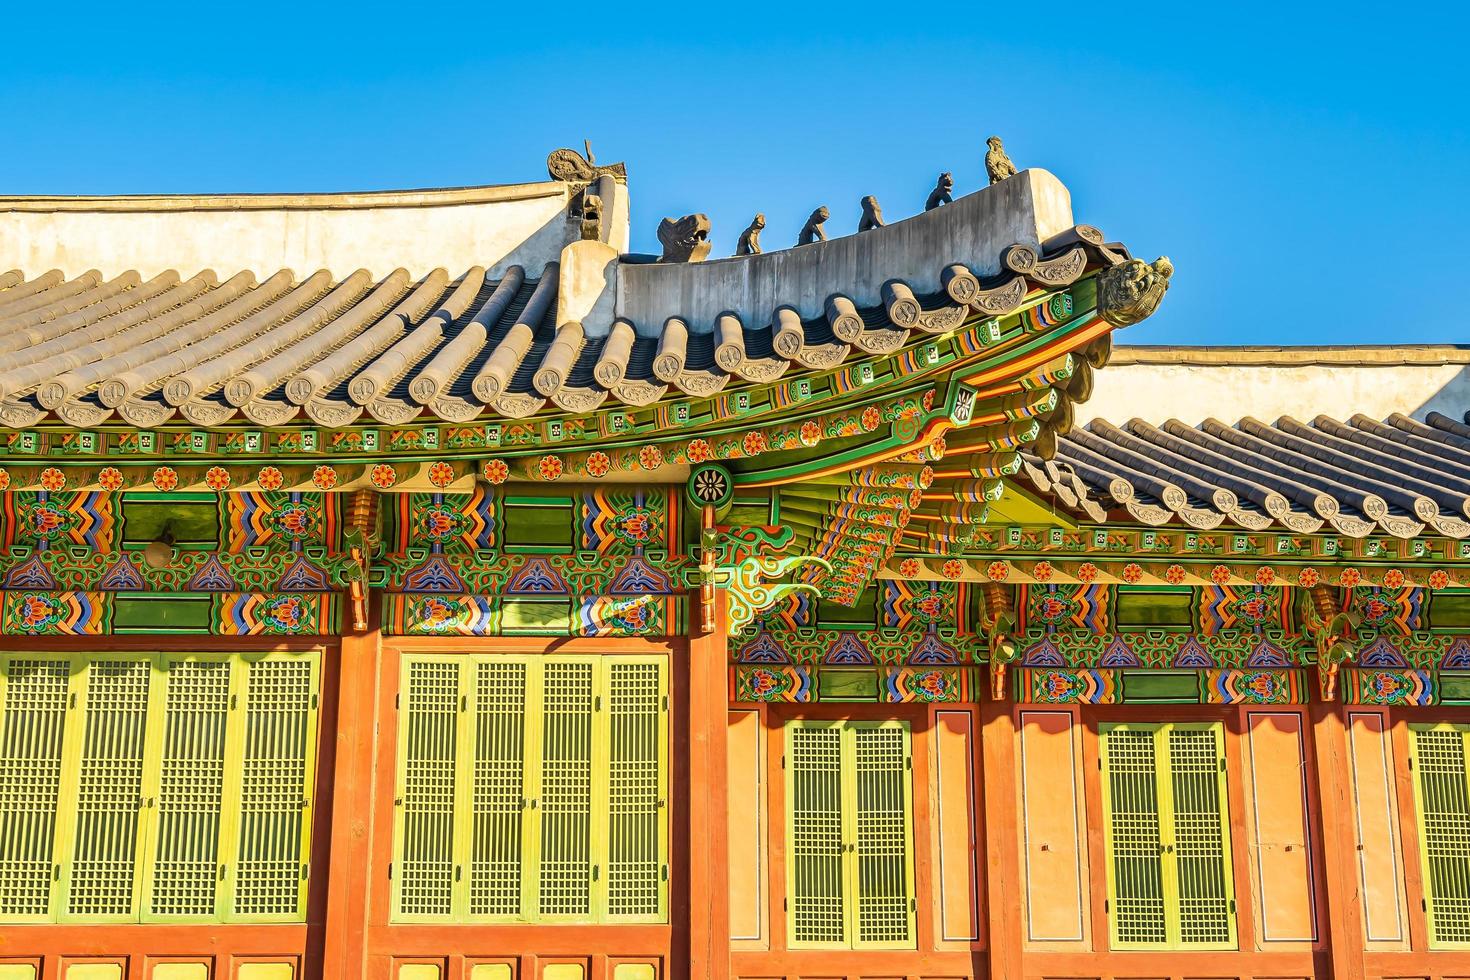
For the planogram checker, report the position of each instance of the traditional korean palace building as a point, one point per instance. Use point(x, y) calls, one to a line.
point(419, 586)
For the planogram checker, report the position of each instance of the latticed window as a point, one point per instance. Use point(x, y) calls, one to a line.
point(1442, 792)
point(1167, 824)
point(156, 788)
point(849, 866)
point(532, 789)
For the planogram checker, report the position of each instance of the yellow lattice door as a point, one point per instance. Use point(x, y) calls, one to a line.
point(636, 700)
point(502, 833)
point(34, 695)
point(1442, 793)
point(880, 857)
point(567, 772)
point(424, 868)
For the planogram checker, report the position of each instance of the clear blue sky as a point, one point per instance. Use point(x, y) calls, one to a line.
point(1305, 165)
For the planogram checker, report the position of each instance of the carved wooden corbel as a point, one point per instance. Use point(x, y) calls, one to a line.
point(361, 538)
point(999, 622)
point(1332, 631)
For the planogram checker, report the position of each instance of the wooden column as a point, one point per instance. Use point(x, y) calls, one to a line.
point(1335, 806)
point(709, 880)
point(1003, 884)
point(345, 935)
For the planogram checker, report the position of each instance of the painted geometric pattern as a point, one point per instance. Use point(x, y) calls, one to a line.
point(620, 521)
point(289, 614)
point(1246, 607)
point(252, 571)
point(1397, 612)
point(447, 523)
point(280, 519)
point(917, 605)
point(1058, 686)
point(37, 613)
point(906, 685)
point(1162, 649)
point(813, 647)
point(1253, 687)
point(436, 614)
point(1049, 608)
point(520, 574)
point(788, 684)
point(1387, 687)
point(52, 520)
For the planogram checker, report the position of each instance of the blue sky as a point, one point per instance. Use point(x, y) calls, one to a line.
point(1305, 165)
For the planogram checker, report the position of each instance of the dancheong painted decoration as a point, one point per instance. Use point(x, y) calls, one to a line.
point(423, 586)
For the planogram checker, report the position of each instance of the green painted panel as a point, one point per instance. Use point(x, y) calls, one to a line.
point(1443, 795)
point(1134, 837)
point(862, 614)
point(536, 616)
point(847, 685)
point(566, 789)
point(186, 862)
point(193, 523)
point(277, 779)
point(102, 880)
point(499, 795)
point(1153, 607)
point(636, 862)
point(33, 711)
point(539, 524)
point(424, 866)
point(1160, 686)
point(1454, 688)
point(178, 613)
point(1449, 611)
point(817, 888)
point(884, 877)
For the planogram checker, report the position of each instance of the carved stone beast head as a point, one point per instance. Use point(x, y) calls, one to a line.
point(684, 239)
point(1131, 290)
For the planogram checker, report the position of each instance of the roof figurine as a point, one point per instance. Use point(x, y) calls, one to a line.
point(591, 217)
point(1131, 290)
point(812, 231)
point(872, 214)
point(997, 164)
point(574, 168)
point(941, 192)
point(750, 238)
point(684, 239)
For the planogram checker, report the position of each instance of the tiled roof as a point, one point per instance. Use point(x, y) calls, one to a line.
point(1398, 476)
point(86, 349)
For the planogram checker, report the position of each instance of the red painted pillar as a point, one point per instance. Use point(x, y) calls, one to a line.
point(1339, 842)
point(1002, 844)
point(709, 881)
point(348, 882)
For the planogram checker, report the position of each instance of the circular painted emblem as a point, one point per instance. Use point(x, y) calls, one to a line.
point(441, 474)
point(217, 478)
point(711, 485)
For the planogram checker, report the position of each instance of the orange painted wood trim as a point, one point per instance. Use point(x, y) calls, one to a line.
point(1002, 843)
point(1335, 807)
point(344, 939)
point(708, 789)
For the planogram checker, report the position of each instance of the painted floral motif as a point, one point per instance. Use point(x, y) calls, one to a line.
point(1261, 685)
point(383, 476)
point(650, 457)
point(931, 685)
point(435, 614)
point(549, 467)
point(1439, 579)
point(598, 463)
point(998, 571)
point(270, 478)
point(1132, 573)
point(635, 526)
point(294, 521)
point(1393, 579)
point(1376, 612)
point(1174, 574)
point(1265, 575)
point(1087, 572)
point(439, 522)
point(497, 472)
point(40, 613)
point(284, 614)
point(5, 480)
point(1255, 609)
point(952, 568)
point(324, 477)
point(1042, 571)
point(928, 400)
point(930, 606)
point(811, 433)
point(52, 479)
point(217, 478)
point(45, 520)
point(441, 474)
point(1055, 608)
point(698, 451)
point(165, 478)
point(754, 443)
point(909, 567)
point(1349, 578)
point(1220, 575)
point(762, 683)
point(871, 418)
point(1308, 577)
point(109, 477)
